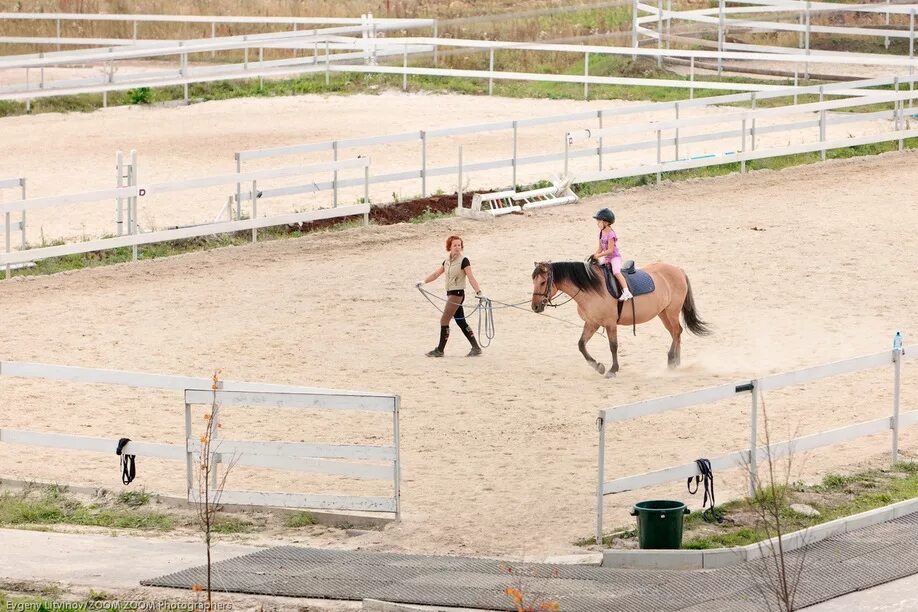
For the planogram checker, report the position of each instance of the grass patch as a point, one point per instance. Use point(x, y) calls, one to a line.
point(51, 505)
point(299, 519)
point(134, 499)
point(429, 215)
point(231, 524)
point(837, 496)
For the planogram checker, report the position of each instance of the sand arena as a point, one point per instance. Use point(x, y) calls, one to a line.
point(791, 268)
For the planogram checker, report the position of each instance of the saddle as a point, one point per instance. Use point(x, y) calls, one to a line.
point(639, 282)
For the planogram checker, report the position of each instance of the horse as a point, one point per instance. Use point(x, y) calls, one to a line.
point(586, 285)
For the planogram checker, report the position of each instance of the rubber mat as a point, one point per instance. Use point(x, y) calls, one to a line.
point(830, 568)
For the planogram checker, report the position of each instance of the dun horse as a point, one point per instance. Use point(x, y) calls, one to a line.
point(584, 283)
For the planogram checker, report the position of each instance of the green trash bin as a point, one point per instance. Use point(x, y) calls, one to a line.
point(659, 523)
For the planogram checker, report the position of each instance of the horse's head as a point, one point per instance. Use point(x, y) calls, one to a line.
point(543, 286)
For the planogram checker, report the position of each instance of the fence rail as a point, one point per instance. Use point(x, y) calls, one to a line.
point(749, 458)
point(134, 192)
point(331, 459)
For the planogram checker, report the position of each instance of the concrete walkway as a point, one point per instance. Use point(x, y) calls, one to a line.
point(880, 555)
point(99, 560)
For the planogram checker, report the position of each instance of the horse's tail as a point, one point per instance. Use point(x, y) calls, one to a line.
point(692, 321)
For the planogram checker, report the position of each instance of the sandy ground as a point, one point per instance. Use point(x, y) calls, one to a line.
point(791, 268)
point(62, 154)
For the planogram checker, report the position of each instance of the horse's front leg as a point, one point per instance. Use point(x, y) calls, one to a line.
point(588, 330)
point(612, 332)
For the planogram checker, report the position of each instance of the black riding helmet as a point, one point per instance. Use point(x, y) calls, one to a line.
point(606, 215)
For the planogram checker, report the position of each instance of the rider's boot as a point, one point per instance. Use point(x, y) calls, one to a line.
point(444, 336)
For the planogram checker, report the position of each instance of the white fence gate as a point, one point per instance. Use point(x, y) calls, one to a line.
point(373, 462)
point(750, 457)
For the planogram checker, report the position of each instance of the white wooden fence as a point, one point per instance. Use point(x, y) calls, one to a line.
point(664, 136)
point(844, 95)
point(9, 225)
point(356, 50)
point(765, 17)
point(353, 460)
point(135, 192)
point(750, 457)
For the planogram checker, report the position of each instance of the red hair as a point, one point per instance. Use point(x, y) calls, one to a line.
point(451, 239)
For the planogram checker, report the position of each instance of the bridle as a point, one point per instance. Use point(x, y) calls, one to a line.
point(549, 280)
point(547, 294)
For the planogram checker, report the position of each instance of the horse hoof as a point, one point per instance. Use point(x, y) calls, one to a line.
point(610, 374)
point(600, 368)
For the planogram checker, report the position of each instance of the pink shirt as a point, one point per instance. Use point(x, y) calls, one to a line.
point(605, 237)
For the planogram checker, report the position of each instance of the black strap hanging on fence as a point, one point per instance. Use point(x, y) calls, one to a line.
point(710, 514)
point(128, 470)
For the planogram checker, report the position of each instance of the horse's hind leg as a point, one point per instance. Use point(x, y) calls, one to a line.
point(674, 327)
point(588, 330)
point(612, 332)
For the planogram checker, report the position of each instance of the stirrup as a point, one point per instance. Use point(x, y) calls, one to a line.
point(626, 295)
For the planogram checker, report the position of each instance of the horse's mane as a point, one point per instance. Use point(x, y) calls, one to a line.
point(576, 273)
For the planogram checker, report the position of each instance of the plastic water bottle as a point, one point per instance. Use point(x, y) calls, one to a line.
point(897, 341)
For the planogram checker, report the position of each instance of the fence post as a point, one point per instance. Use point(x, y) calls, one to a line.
point(132, 202)
point(238, 188)
point(897, 112)
point(366, 192)
point(423, 134)
point(567, 146)
point(22, 183)
point(676, 140)
point(8, 243)
point(669, 22)
point(459, 188)
point(405, 69)
point(327, 66)
point(254, 209)
point(886, 40)
point(491, 71)
point(659, 32)
point(119, 202)
point(752, 131)
point(436, 29)
point(398, 458)
point(213, 37)
point(261, 79)
point(753, 438)
point(911, 53)
point(601, 423)
point(334, 176)
point(189, 455)
point(822, 128)
point(515, 136)
point(743, 148)
point(720, 36)
point(796, 81)
point(599, 114)
point(586, 75)
point(692, 78)
point(634, 27)
point(806, 67)
point(800, 34)
point(897, 380)
point(659, 156)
